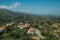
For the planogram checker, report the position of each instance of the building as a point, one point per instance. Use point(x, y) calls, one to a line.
point(2, 30)
point(31, 31)
point(21, 26)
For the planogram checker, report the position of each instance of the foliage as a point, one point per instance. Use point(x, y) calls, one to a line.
point(13, 33)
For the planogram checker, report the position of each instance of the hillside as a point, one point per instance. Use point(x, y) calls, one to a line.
point(8, 16)
point(49, 26)
point(11, 15)
point(4, 13)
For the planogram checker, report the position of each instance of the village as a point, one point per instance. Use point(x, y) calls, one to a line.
point(28, 27)
point(30, 30)
point(35, 33)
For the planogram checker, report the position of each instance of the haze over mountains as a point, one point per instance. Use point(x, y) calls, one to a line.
point(10, 13)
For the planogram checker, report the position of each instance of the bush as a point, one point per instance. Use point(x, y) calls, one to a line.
point(18, 33)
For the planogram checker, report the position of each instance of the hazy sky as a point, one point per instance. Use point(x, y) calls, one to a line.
point(32, 6)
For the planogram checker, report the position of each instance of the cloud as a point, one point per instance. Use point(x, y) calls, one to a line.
point(14, 5)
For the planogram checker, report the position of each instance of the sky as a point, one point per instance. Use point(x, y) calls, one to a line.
point(45, 7)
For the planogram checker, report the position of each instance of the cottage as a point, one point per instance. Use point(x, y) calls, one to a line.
point(2, 30)
point(21, 26)
point(27, 25)
point(31, 31)
point(10, 24)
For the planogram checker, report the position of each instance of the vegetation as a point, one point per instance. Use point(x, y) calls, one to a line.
point(49, 26)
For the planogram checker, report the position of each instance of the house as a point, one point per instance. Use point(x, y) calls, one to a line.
point(2, 30)
point(9, 24)
point(31, 31)
point(27, 25)
point(21, 26)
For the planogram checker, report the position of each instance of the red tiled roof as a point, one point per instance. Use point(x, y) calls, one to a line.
point(2, 28)
point(31, 29)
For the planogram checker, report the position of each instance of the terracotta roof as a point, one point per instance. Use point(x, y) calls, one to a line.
point(31, 29)
point(2, 28)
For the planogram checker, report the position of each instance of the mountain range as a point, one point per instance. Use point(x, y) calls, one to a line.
point(8, 14)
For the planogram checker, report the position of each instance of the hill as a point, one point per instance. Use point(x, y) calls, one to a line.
point(8, 16)
point(11, 15)
point(48, 25)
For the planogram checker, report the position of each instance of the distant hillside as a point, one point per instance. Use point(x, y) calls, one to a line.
point(5, 12)
point(19, 16)
point(11, 15)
